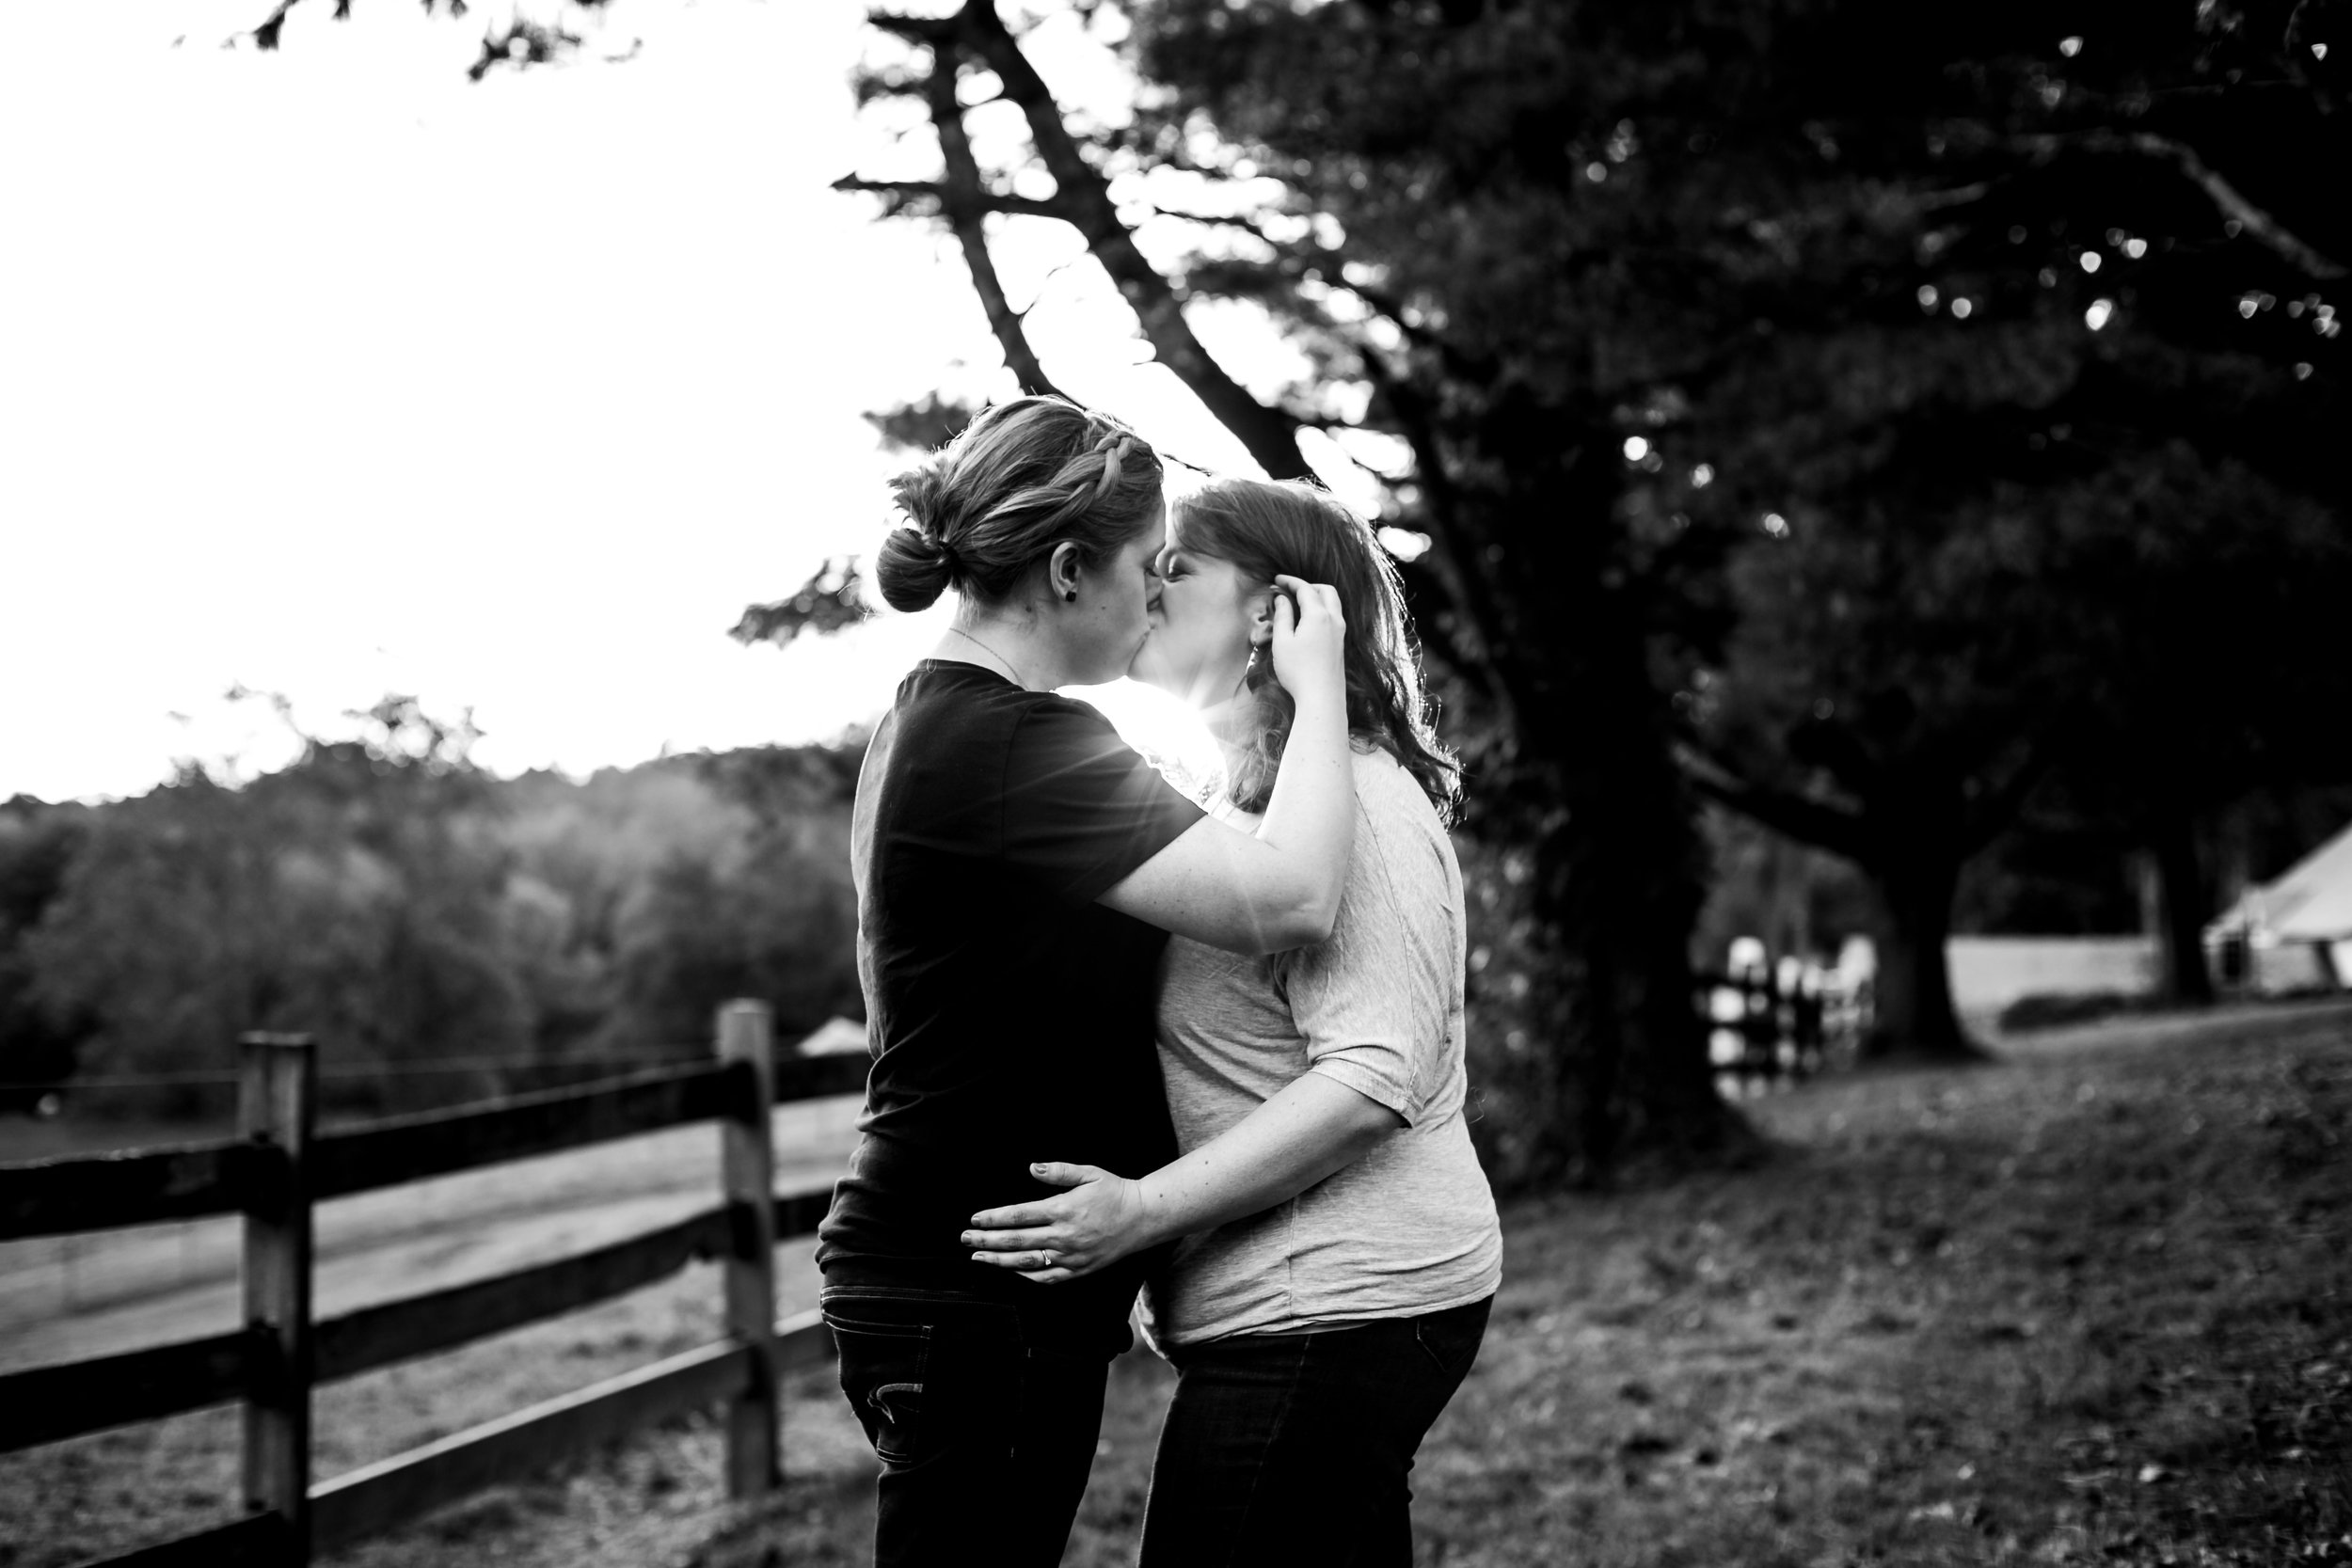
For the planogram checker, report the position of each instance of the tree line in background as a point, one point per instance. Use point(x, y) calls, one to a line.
point(408, 909)
point(1880, 425)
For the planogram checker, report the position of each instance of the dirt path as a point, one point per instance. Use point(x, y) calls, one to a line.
point(64, 1298)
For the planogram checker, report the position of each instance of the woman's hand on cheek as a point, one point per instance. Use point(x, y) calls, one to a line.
point(1310, 638)
point(1098, 1220)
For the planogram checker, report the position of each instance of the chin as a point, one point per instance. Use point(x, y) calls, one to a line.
point(1146, 668)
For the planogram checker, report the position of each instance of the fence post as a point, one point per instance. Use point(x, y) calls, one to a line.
point(277, 1107)
point(747, 1160)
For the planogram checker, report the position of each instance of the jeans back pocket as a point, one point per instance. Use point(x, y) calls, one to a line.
point(883, 1367)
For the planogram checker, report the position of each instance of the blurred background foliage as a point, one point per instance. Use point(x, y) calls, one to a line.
point(444, 933)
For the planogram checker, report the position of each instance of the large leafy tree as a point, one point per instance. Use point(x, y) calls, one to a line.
point(1588, 260)
point(2042, 473)
point(1407, 197)
point(1905, 673)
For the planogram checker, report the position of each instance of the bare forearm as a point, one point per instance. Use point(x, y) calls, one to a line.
point(1314, 1127)
point(1309, 821)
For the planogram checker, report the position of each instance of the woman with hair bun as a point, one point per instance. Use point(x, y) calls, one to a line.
point(1018, 871)
point(1335, 1244)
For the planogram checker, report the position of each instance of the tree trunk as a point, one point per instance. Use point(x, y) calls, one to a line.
point(1912, 1012)
point(2184, 904)
point(1634, 1083)
point(1620, 870)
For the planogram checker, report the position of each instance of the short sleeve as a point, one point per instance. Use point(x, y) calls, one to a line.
point(1082, 808)
point(1373, 1002)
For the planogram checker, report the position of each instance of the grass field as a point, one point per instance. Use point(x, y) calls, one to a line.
point(2087, 1305)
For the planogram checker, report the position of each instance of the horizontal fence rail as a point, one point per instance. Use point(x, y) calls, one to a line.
point(278, 1173)
point(71, 1399)
point(373, 1499)
point(255, 1541)
point(419, 1326)
point(47, 1404)
point(225, 1176)
point(105, 1192)
point(819, 1077)
point(439, 1143)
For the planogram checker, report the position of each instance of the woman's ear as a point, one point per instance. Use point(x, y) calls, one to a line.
point(1261, 619)
point(1061, 572)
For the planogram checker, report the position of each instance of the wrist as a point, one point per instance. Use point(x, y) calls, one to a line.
point(1319, 707)
point(1153, 1223)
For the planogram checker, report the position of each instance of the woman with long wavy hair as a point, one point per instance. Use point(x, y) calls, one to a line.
point(1336, 1247)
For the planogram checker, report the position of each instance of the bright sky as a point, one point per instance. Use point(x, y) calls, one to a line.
point(330, 372)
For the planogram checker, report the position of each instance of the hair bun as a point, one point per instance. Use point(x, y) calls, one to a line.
point(924, 495)
point(912, 570)
point(1020, 479)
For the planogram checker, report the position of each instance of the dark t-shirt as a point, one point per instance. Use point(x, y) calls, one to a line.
point(1008, 1015)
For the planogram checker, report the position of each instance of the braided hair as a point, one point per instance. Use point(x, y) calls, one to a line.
point(1020, 479)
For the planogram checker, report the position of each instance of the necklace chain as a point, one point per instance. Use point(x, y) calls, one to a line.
point(1010, 668)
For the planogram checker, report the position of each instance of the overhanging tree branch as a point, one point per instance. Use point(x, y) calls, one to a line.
point(1808, 820)
point(1991, 812)
point(903, 198)
point(1457, 558)
point(1266, 432)
point(2258, 224)
point(963, 197)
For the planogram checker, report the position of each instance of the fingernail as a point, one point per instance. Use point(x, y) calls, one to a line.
point(970, 1240)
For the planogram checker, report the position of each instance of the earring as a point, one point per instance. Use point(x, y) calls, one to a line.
point(1071, 595)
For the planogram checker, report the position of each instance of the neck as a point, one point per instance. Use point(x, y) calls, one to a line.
point(1229, 723)
point(1010, 644)
point(1234, 723)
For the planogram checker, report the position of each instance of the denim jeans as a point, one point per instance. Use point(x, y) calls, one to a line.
point(984, 1417)
point(1290, 1449)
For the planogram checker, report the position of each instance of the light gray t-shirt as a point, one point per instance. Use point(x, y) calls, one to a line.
point(1410, 1227)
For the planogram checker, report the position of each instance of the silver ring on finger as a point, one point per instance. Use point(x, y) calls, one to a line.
point(1044, 1259)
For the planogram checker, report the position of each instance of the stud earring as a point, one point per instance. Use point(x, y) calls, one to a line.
point(1071, 595)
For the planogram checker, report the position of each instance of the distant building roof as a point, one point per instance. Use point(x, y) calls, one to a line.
point(834, 1036)
point(2312, 902)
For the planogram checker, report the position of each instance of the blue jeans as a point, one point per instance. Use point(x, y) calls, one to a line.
point(984, 1417)
point(1288, 1448)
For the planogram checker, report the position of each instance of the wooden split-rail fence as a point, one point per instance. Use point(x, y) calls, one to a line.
point(1763, 1034)
point(280, 1166)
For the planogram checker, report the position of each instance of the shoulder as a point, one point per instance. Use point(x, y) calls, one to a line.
point(1053, 710)
point(1390, 799)
point(1053, 730)
point(1404, 858)
point(940, 694)
point(957, 702)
